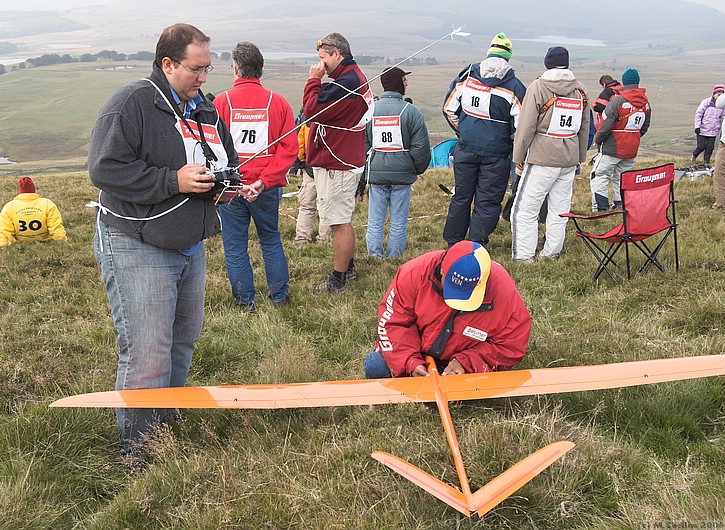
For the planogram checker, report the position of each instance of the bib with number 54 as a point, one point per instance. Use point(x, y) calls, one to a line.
point(566, 118)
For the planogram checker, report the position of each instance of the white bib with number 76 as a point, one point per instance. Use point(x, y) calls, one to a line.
point(250, 130)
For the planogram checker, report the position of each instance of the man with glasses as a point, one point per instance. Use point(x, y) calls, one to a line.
point(338, 112)
point(152, 154)
point(256, 117)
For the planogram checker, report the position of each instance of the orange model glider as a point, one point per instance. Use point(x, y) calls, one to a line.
point(435, 388)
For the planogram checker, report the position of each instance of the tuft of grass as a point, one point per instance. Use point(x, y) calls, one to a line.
point(643, 456)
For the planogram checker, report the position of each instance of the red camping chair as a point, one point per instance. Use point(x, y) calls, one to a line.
point(648, 196)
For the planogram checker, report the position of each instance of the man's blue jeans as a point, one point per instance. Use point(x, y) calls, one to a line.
point(397, 197)
point(157, 303)
point(375, 366)
point(236, 216)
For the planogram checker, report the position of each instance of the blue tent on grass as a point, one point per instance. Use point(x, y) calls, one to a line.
point(440, 153)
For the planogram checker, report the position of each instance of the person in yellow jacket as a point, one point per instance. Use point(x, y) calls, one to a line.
point(30, 217)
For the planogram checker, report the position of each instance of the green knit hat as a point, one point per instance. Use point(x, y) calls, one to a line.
point(501, 47)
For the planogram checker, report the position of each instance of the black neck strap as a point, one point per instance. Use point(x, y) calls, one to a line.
point(436, 348)
point(205, 147)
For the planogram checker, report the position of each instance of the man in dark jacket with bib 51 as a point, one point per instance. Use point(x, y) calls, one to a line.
point(624, 121)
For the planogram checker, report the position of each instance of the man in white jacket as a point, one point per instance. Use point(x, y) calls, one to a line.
point(550, 141)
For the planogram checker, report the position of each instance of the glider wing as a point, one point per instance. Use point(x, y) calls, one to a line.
point(409, 389)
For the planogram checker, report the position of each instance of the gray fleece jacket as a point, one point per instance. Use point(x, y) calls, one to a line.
point(133, 156)
point(398, 167)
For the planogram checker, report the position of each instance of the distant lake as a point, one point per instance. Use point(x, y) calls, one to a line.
point(278, 56)
point(67, 46)
point(566, 41)
point(5, 160)
point(7, 61)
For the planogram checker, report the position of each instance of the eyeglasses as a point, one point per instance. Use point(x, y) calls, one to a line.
point(321, 43)
point(196, 71)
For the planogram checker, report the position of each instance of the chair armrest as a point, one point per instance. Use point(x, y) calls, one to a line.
point(591, 217)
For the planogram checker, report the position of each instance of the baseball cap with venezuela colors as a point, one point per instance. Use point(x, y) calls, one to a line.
point(464, 272)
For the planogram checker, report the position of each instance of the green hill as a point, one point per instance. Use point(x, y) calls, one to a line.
point(47, 113)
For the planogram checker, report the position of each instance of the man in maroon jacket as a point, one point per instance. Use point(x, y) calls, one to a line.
point(457, 306)
point(338, 111)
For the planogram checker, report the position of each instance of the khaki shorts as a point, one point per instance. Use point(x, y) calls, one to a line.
point(335, 195)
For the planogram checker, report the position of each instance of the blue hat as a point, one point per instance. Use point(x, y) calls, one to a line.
point(465, 271)
point(630, 77)
point(556, 57)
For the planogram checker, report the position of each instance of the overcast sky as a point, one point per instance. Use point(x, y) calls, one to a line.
point(288, 28)
point(32, 5)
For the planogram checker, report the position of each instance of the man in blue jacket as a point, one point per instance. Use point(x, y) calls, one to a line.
point(398, 151)
point(482, 106)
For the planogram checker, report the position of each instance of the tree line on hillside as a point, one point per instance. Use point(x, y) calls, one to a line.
point(49, 59)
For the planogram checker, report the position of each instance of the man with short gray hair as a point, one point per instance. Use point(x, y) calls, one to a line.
point(339, 111)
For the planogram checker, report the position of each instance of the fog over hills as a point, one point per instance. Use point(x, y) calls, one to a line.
point(285, 28)
point(678, 46)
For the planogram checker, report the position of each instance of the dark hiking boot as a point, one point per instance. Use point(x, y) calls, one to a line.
point(331, 284)
point(281, 303)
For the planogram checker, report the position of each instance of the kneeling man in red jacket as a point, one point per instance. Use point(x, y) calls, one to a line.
point(457, 306)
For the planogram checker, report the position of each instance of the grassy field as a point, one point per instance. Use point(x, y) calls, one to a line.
point(648, 457)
